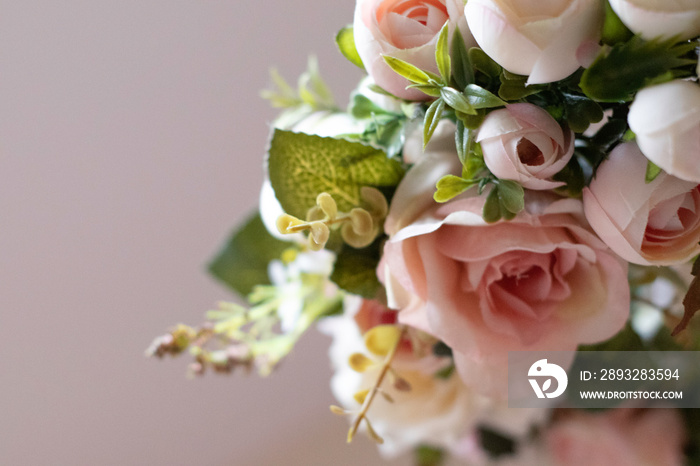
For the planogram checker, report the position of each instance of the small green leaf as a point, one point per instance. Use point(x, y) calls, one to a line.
point(482, 62)
point(621, 70)
point(496, 444)
point(301, 166)
point(461, 66)
point(474, 163)
point(614, 30)
point(442, 55)
point(431, 120)
point(511, 196)
point(450, 186)
point(242, 262)
point(345, 40)
point(457, 100)
point(652, 172)
point(463, 140)
point(492, 206)
point(428, 89)
point(479, 97)
point(513, 87)
point(572, 174)
point(355, 270)
point(408, 71)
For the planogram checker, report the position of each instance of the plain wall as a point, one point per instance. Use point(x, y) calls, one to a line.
point(131, 141)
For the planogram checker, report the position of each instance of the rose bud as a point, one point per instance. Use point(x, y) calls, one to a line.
point(522, 142)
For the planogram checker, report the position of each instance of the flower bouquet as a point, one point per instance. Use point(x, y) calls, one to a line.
point(511, 176)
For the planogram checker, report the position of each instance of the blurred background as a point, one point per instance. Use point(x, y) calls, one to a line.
point(131, 142)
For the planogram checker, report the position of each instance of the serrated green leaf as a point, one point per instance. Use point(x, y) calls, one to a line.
point(242, 261)
point(652, 172)
point(511, 196)
point(621, 70)
point(479, 97)
point(355, 270)
point(457, 100)
point(450, 186)
point(408, 71)
point(461, 66)
point(513, 87)
point(492, 206)
point(345, 40)
point(301, 166)
point(442, 55)
point(431, 120)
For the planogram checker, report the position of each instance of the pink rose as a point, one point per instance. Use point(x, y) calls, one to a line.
point(621, 436)
point(655, 223)
point(522, 142)
point(405, 29)
point(542, 281)
point(666, 121)
point(538, 39)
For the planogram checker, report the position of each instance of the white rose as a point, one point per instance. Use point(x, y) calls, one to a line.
point(666, 121)
point(654, 18)
point(535, 38)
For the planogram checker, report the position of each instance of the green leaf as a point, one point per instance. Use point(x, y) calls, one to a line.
point(614, 30)
point(513, 87)
point(431, 120)
point(475, 161)
point(450, 186)
point(345, 40)
point(492, 206)
point(457, 100)
point(301, 166)
point(463, 141)
point(429, 456)
point(429, 89)
point(355, 270)
point(442, 54)
point(479, 97)
point(242, 262)
point(511, 196)
point(408, 71)
point(620, 71)
point(652, 172)
point(495, 443)
point(572, 174)
point(482, 62)
point(461, 66)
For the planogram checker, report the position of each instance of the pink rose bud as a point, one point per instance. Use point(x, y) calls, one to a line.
point(655, 223)
point(666, 121)
point(522, 142)
point(404, 29)
point(535, 38)
point(654, 18)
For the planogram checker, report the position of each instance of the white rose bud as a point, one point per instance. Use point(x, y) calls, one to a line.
point(535, 38)
point(665, 18)
point(666, 121)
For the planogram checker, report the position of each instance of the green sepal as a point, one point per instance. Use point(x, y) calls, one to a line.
point(652, 172)
point(355, 270)
point(623, 69)
point(301, 166)
point(242, 261)
point(442, 54)
point(431, 120)
point(345, 40)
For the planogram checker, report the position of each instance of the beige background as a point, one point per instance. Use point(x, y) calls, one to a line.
point(131, 141)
